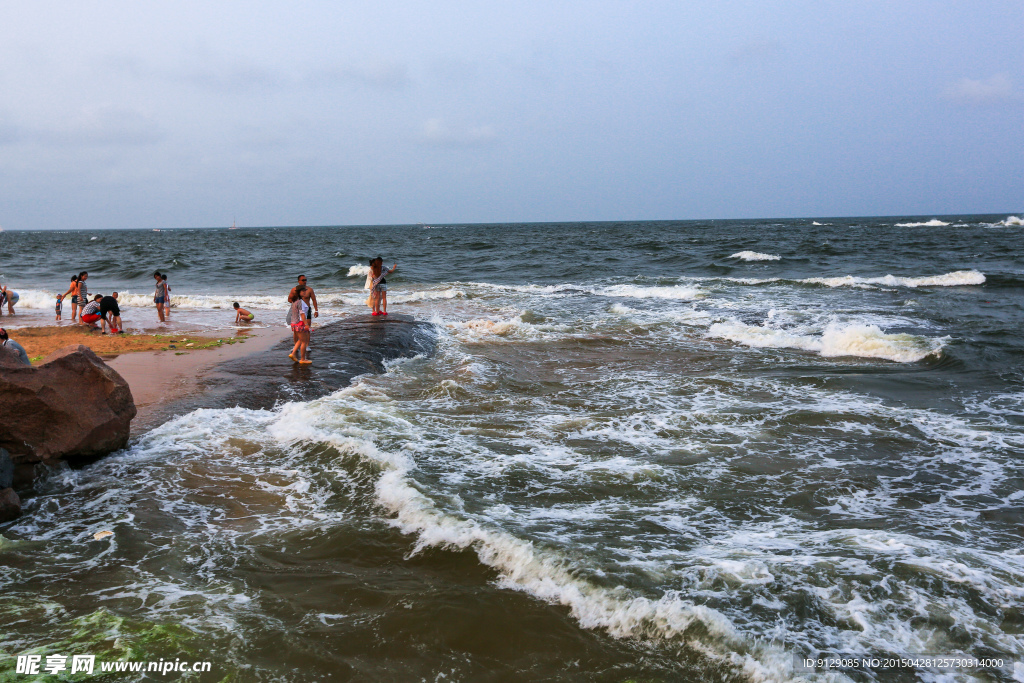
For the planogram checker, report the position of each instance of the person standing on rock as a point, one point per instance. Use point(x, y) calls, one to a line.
point(312, 296)
point(299, 321)
point(13, 348)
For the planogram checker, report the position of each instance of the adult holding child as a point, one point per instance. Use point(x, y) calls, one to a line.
point(298, 319)
point(379, 294)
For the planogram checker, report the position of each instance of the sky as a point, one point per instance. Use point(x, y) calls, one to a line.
point(119, 114)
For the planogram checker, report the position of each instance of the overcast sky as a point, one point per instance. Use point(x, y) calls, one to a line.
point(130, 114)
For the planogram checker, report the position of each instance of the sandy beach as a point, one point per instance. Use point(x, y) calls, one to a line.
point(157, 367)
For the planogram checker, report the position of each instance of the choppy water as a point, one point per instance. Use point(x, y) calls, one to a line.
point(642, 451)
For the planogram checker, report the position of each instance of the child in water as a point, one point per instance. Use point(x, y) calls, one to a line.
point(242, 315)
point(380, 285)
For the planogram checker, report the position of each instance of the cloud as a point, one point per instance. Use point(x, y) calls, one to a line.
point(992, 90)
point(103, 126)
point(378, 74)
point(757, 52)
point(437, 132)
point(236, 77)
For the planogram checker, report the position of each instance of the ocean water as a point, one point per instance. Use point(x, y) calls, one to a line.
point(665, 451)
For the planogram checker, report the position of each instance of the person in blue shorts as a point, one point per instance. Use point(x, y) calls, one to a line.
point(9, 297)
point(160, 296)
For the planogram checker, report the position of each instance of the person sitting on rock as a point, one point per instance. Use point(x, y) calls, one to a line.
point(91, 312)
point(13, 348)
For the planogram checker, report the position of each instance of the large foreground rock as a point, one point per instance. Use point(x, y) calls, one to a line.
point(73, 406)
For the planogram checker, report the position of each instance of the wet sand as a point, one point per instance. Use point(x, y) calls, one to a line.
point(40, 342)
point(159, 368)
point(158, 378)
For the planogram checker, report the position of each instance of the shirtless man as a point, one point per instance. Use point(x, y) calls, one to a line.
point(312, 295)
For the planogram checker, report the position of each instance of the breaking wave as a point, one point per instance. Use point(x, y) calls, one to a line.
point(863, 341)
point(755, 256)
point(933, 223)
point(954, 279)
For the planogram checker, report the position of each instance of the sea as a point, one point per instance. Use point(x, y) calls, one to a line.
point(718, 450)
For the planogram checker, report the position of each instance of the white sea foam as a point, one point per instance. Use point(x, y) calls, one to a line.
point(358, 270)
point(954, 279)
point(400, 296)
point(624, 291)
point(933, 223)
point(637, 292)
point(524, 566)
point(755, 256)
point(1010, 221)
point(34, 298)
point(864, 341)
point(327, 299)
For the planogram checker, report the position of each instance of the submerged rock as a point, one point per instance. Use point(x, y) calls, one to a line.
point(10, 504)
point(6, 469)
point(73, 406)
point(340, 351)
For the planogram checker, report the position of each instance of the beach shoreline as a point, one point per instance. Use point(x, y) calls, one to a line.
point(159, 368)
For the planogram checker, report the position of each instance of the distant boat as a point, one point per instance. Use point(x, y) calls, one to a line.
point(233, 226)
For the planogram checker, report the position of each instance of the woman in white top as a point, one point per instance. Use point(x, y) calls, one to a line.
point(298, 318)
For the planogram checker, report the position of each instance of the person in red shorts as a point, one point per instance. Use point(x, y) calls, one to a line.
point(91, 313)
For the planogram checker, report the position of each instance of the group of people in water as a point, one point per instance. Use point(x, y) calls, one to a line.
point(303, 306)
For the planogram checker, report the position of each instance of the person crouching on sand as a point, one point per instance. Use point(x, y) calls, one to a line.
point(160, 295)
point(242, 315)
point(380, 285)
point(298, 318)
point(91, 312)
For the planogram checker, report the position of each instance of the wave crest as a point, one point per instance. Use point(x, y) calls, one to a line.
point(862, 341)
point(933, 223)
point(755, 256)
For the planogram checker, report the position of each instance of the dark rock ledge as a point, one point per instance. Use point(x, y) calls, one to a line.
point(74, 408)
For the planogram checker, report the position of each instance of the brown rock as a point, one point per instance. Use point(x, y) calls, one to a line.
point(10, 505)
point(72, 406)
